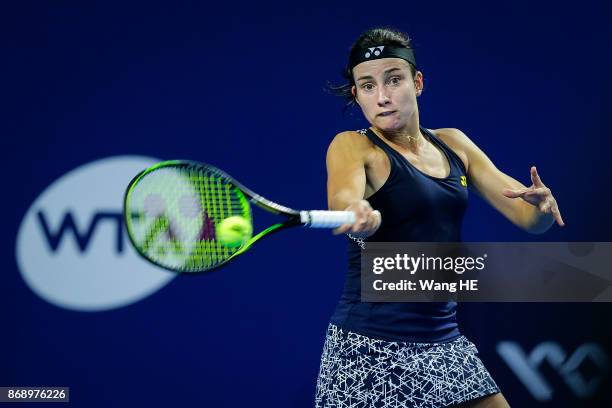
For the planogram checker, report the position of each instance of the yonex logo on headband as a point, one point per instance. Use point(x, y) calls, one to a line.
point(360, 55)
point(374, 50)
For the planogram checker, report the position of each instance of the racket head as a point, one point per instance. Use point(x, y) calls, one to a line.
point(173, 210)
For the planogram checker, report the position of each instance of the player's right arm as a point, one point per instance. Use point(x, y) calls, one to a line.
point(346, 183)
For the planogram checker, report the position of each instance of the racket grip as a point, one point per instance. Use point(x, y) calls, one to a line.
point(326, 219)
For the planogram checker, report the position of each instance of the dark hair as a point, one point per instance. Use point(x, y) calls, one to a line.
point(370, 38)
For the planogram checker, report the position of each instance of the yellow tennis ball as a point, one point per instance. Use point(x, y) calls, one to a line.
point(234, 231)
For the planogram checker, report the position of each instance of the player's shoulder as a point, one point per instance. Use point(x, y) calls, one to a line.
point(451, 136)
point(350, 146)
point(354, 139)
point(455, 139)
point(354, 136)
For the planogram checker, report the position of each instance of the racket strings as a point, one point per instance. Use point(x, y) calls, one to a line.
point(178, 209)
point(216, 197)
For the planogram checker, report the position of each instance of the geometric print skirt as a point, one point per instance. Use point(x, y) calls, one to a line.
point(358, 371)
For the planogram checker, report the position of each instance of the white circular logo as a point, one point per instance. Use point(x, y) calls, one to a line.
point(72, 248)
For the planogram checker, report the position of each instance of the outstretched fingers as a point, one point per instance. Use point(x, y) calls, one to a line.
point(535, 177)
point(557, 214)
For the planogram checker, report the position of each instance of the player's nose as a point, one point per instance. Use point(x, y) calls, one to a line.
point(383, 97)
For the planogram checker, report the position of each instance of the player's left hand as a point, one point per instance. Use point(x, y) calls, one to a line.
point(539, 196)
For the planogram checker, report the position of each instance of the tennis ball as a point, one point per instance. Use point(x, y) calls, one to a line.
point(234, 231)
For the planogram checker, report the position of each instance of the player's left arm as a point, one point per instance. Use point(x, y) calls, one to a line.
point(532, 208)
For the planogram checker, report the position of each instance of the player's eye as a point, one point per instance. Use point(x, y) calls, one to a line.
point(395, 80)
point(368, 86)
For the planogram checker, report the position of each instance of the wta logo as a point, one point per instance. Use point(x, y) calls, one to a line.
point(527, 366)
point(72, 249)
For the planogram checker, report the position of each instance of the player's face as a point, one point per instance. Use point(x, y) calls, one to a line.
point(386, 92)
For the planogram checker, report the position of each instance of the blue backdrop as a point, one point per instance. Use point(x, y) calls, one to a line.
point(240, 85)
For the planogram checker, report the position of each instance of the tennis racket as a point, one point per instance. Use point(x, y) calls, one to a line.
point(192, 217)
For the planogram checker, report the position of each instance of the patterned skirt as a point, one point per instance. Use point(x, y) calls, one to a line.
point(361, 372)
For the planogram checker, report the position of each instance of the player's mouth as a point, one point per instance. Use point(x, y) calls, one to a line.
point(387, 113)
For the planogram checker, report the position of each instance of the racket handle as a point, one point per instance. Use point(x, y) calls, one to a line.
point(326, 219)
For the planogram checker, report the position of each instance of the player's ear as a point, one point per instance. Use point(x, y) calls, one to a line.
point(354, 92)
point(418, 83)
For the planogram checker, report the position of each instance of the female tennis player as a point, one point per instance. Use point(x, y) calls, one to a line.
point(408, 183)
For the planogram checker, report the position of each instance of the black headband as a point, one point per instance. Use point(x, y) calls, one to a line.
point(382, 51)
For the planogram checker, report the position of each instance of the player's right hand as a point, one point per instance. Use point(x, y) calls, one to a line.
point(367, 220)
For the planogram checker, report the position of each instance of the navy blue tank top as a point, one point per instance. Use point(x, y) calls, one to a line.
point(415, 207)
